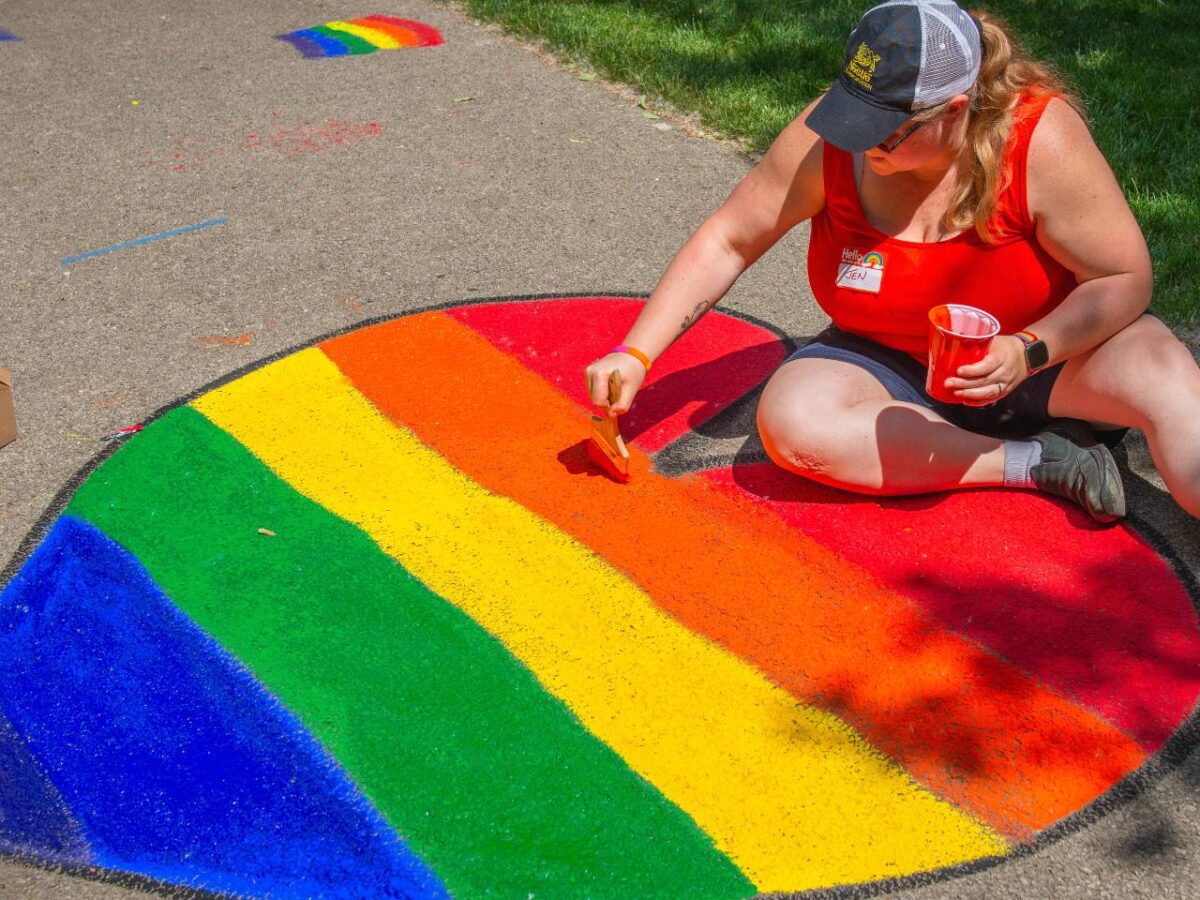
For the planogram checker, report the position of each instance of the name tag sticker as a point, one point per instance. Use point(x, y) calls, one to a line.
point(860, 271)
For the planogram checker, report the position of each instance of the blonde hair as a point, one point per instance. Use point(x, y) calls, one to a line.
point(1005, 72)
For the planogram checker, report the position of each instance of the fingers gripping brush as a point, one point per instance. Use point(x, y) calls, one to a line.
point(605, 448)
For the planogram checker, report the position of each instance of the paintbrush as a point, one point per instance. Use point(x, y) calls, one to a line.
point(605, 447)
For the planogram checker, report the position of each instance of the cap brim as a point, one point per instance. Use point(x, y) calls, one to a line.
point(853, 124)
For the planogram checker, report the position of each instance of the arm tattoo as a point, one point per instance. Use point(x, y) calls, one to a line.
point(701, 308)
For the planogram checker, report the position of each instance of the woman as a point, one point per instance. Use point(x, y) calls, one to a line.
point(968, 170)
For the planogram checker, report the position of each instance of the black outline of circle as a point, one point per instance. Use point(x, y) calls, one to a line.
point(1177, 748)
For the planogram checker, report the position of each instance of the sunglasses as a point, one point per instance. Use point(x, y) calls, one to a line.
point(888, 147)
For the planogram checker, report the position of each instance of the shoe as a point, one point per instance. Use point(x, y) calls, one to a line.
point(1077, 466)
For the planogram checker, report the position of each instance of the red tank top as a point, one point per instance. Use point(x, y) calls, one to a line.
point(1014, 278)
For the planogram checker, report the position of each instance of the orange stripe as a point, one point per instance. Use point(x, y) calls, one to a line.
point(965, 723)
point(403, 36)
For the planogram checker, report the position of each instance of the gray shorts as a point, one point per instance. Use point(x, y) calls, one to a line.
point(1019, 414)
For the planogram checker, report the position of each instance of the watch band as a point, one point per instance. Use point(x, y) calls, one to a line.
point(1037, 354)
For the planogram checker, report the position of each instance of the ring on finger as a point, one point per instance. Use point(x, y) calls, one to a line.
point(999, 388)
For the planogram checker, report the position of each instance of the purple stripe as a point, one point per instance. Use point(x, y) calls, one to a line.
point(308, 48)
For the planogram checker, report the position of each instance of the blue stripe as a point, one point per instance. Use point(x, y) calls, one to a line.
point(7, 36)
point(161, 236)
point(331, 46)
point(33, 817)
point(173, 758)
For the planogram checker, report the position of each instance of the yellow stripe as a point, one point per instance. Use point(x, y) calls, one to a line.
point(792, 794)
point(380, 39)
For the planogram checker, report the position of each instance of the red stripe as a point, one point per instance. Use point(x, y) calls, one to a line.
point(427, 35)
point(1092, 612)
point(720, 359)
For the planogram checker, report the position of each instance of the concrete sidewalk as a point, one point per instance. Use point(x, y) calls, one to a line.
point(353, 188)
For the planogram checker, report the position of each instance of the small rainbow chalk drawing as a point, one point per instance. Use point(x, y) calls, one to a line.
point(358, 36)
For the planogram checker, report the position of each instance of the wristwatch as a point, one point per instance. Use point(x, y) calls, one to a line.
point(1037, 354)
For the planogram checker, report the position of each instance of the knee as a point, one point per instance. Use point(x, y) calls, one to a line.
point(795, 441)
point(1175, 361)
point(1163, 370)
point(1160, 353)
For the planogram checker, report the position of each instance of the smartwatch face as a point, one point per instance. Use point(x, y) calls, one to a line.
point(1036, 355)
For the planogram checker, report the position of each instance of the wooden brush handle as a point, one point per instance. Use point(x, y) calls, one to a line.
point(614, 386)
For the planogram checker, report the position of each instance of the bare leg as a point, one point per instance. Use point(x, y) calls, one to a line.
point(1142, 377)
point(835, 423)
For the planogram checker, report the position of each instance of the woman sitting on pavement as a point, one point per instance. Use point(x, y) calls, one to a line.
point(970, 171)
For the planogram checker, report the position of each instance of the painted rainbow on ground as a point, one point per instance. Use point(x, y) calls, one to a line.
point(463, 663)
point(364, 35)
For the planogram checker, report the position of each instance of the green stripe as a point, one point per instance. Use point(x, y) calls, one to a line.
point(492, 782)
point(353, 42)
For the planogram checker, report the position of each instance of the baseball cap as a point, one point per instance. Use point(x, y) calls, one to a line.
point(902, 57)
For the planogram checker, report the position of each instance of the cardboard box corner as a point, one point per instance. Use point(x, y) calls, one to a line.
point(8, 417)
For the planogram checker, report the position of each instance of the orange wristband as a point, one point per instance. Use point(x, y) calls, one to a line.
point(633, 351)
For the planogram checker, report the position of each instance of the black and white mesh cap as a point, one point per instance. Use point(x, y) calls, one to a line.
point(902, 57)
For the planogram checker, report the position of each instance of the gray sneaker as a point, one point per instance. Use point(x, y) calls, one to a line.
point(1077, 466)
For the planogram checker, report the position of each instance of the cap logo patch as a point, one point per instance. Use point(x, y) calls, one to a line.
point(862, 67)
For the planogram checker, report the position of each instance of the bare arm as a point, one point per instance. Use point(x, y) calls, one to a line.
point(784, 189)
point(1084, 222)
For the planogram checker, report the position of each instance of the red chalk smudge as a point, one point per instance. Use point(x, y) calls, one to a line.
point(313, 137)
point(191, 152)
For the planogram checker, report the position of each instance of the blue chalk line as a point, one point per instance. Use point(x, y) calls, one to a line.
point(142, 240)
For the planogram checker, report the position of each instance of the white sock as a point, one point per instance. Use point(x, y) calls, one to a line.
point(1019, 458)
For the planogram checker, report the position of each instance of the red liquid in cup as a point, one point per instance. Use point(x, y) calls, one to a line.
point(958, 336)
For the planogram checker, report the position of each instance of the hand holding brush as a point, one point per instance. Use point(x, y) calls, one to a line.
point(605, 446)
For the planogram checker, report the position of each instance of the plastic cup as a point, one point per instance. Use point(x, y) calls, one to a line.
point(958, 336)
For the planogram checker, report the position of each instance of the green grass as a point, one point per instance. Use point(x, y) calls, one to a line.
point(748, 68)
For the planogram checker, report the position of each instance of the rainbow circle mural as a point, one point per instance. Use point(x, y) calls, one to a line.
point(358, 36)
point(362, 621)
